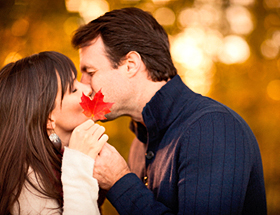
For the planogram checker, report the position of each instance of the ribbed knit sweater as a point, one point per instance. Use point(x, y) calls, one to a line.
point(194, 156)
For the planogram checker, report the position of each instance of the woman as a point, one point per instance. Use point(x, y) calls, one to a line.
point(39, 110)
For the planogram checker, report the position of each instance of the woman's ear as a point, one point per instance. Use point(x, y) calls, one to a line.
point(134, 62)
point(50, 123)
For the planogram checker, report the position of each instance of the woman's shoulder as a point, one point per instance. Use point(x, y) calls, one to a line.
point(31, 201)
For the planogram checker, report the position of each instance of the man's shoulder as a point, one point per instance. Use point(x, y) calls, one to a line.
point(207, 109)
point(203, 105)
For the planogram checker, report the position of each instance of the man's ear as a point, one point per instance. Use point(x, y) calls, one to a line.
point(134, 63)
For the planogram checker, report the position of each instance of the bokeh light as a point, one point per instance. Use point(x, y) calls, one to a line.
point(12, 57)
point(243, 2)
point(188, 17)
point(160, 1)
point(276, 37)
point(20, 27)
point(71, 24)
point(165, 16)
point(73, 5)
point(206, 15)
point(88, 9)
point(273, 90)
point(213, 43)
point(234, 50)
point(209, 15)
point(185, 48)
point(240, 20)
point(192, 49)
point(271, 3)
point(269, 49)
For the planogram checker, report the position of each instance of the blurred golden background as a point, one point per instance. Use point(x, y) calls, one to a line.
point(225, 49)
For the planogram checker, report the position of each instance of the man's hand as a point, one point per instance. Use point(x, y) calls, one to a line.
point(109, 167)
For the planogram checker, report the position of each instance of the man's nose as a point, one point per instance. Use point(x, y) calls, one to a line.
point(85, 79)
point(87, 90)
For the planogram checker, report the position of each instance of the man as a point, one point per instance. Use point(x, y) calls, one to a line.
point(191, 154)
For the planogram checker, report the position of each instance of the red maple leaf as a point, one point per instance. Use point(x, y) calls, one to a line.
point(95, 108)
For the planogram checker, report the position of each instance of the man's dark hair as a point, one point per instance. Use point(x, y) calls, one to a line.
point(130, 29)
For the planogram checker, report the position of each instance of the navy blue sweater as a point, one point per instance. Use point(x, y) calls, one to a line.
point(195, 156)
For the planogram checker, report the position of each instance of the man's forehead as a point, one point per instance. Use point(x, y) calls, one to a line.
point(94, 50)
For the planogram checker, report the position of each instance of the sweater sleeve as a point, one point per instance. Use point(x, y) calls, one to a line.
point(80, 189)
point(130, 196)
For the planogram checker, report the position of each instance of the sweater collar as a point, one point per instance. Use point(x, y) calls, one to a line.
point(163, 109)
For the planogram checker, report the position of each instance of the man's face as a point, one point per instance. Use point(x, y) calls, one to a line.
point(97, 70)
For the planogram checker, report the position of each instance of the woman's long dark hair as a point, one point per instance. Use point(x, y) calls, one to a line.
point(28, 90)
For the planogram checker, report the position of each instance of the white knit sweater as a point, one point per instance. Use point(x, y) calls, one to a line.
point(80, 189)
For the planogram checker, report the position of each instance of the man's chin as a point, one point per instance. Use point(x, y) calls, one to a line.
point(110, 117)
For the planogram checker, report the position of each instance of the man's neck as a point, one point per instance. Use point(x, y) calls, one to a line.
point(147, 90)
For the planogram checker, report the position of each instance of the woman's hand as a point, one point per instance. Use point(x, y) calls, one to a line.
point(88, 138)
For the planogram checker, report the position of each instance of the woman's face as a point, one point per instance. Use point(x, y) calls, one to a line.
point(68, 113)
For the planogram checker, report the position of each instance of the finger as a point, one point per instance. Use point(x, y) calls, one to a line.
point(89, 129)
point(93, 129)
point(110, 147)
point(104, 150)
point(84, 126)
point(103, 139)
point(100, 143)
point(107, 145)
point(96, 173)
point(89, 124)
point(98, 132)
